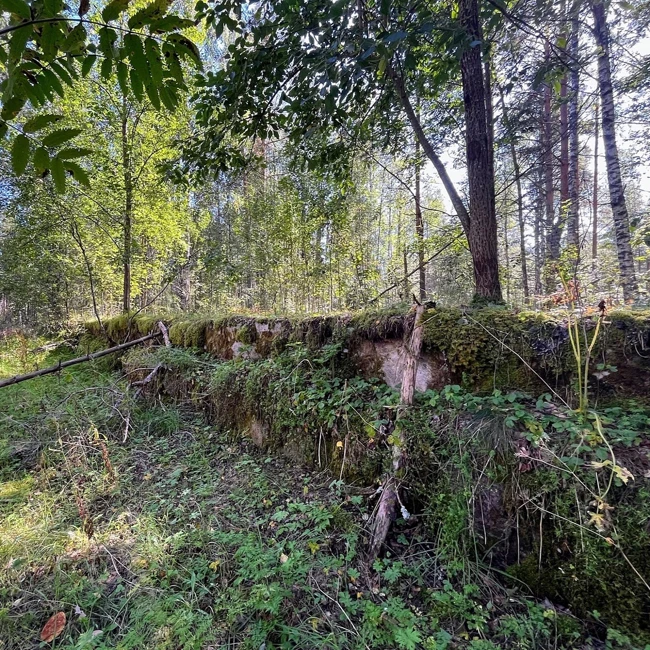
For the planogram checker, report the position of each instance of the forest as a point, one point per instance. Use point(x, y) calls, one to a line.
point(325, 324)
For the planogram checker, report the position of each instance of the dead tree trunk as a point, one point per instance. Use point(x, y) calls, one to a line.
point(612, 162)
point(389, 499)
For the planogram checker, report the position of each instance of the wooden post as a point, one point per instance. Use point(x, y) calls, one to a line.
point(390, 494)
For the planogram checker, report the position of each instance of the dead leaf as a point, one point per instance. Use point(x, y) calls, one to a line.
point(53, 627)
point(84, 7)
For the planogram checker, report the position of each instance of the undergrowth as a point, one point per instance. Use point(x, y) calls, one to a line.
point(150, 527)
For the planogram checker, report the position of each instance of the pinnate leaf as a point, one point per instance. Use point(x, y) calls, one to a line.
point(17, 7)
point(40, 122)
point(59, 137)
point(113, 9)
point(58, 174)
point(20, 154)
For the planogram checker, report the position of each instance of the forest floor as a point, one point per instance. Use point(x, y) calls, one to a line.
point(147, 528)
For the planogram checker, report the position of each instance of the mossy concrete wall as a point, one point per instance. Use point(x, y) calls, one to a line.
point(480, 349)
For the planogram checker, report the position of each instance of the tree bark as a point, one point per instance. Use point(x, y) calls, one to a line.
point(419, 225)
point(482, 237)
point(573, 213)
point(552, 244)
point(128, 210)
point(594, 199)
point(520, 197)
point(612, 162)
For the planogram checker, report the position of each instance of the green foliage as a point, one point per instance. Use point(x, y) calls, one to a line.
point(47, 49)
point(199, 539)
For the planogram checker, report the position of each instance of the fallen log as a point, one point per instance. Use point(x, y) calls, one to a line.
point(73, 362)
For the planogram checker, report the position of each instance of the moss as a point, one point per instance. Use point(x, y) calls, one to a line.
point(146, 324)
point(246, 332)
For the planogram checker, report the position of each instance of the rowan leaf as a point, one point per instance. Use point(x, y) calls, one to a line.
point(170, 24)
point(18, 42)
point(122, 76)
point(20, 154)
point(54, 625)
point(59, 137)
point(41, 159)
point(113, 9)
point(58, 175)
point(154, 59)
point(17, 7)
point(40, 122)
point(136, 84)
point(78, 172)
point(87, 64)
point(74, 152)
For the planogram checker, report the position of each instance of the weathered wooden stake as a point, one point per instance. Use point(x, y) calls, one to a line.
point(389, 498)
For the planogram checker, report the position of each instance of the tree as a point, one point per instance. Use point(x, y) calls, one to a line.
point(323, 67)
point(46, 48)
point(614, 178)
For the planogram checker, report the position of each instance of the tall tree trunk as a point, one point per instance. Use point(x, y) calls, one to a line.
point(573, 215)
point(616, 194)
point(520, 197)
point(419, 224)
point(482, 237)
point(482, 232)
point(128, 209)
point(552, 244)
point(594, 199)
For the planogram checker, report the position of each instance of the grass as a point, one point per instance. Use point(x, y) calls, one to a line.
point(150, 529)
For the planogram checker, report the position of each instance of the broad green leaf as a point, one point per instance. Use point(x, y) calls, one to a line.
point(78, 172)
point(18, 7)
point(87, 64)
point(185, 47)
point(113, 9)
point(73, 152)
point(40, 122)
point(12, 107)
point(4, 57)
point(168, 97)
point(20, 154)
point(59, 137)
point(107, 38)
point(3, 130)
point(41, 159)
point(138, 59)
point(58, 174)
